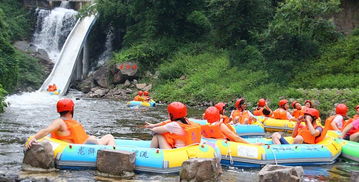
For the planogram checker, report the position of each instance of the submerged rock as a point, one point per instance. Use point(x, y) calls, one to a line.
point(40, 155)
point(198, 169)
point(117, 163)
point(274, 173)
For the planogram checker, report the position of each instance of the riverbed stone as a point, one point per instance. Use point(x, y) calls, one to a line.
point(126, 84)
point(40, 155)
point(274, 173)
point(117, 162)
point(141, 86)
point(199, 169)
point(354, 177)
point(148, 87)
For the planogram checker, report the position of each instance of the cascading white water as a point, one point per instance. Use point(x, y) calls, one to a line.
point(106, 55)
point(53, 26)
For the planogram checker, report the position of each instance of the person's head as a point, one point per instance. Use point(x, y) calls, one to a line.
point(313, 113)
point(241, 104)
point(341, 109)
point(65, 106)
point(221, 107)
point(212, 114)
point(357, 108)
point(146, 93)
point(176, 111)
point(283, 104)
point(140, 93)
point(261, 102)
point(308, 104)
point(296, 105)
point(266, 112)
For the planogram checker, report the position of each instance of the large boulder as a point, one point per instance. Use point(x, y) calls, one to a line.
point(198, 169)
point(274, 173)
point(117, 163)
point(128, 68)
point(40, 155)
point(101, 77)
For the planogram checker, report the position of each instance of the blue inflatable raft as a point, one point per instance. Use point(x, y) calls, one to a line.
point(151, 103)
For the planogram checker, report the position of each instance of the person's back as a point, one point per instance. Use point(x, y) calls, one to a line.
point(337, 120)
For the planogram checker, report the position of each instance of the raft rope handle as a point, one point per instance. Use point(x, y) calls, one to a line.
point(229, 154)
point(275, 158)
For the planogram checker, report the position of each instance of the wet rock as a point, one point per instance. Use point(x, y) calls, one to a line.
point(198, 169)
point(273, 173)
point(148, 87)
point(42, 54)
point(354, 176)
point(117, 163)
point(117, 78)
point(22, 45)
point(101, 77)
point(126, 84)
point(128, 91)
point(40, 155)
point(140, 86)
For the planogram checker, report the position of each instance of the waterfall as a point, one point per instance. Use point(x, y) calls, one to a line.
point(106, 55)
point(52, 28)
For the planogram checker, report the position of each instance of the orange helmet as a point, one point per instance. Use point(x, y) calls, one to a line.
point(177, 110)
point(312, 112)
point(65, 105)
point(356, 107)
point(341, 109)
point(261, 102)
point(220, 106)
point(282, 102)
point(212, 114)
point(140, 93)
point(146, 93)
point(238, 102)
point(311, 103)
point(293, 104)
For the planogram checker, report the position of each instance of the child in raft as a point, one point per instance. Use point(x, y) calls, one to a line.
point(176, 132)
point(241, 115)
point(309, 134)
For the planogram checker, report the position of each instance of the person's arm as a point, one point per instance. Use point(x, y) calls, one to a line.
point(334, 125)
point(346, 129)
point(160, 129)
point(55, 125)
point(150, 125)
point(296, 127)
point(266, 106)
point(312, 130)
point(233, 136)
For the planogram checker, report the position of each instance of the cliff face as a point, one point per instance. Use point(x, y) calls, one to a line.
point(348, 18)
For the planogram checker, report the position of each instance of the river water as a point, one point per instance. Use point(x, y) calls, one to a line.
point(30, 112)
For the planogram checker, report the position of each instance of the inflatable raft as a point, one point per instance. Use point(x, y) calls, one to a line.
point(151, 103)
point(250, 155)
point(254, 130)
point(272, 125)
point(83, 156)
point(57, 92)
point(350, 149)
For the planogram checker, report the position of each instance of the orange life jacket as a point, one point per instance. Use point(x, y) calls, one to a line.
point(77, 133)
point(280, 113)
point(242, 116)
point(225, 119)
point(138, 98)
point(258, 112)
point(330, 119)
point(192, 133)
point(214, 131)
point(297, 113)
point(307, 136)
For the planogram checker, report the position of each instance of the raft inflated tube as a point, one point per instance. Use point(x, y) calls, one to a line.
point(255, 129)
point(83, 156)
point(250, 155)
point(350, 149)
point(151, 103)
point(272, 125)
point(57, 92)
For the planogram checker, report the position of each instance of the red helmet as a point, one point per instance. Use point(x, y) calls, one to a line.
point(341, 109)
point(282, 102)
point(140, 93)
point(220, 106)
point(261, 102)
point(146, 93)
point(293, 104)
point(312, 112)
point(177, 110)
point(311, 103)
point(212, 114)
point(65, 105)
point(356, 107)
point(238, 102)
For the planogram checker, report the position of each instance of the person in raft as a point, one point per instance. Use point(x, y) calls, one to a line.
point(298, 110)
point(52, 88)
point(241, 114)
point(69, 130)
point(262, 105)
point(176, 132)
point(282, 112)
point(222, 110)
point(308, 104)
point(351, 131)
point(146, 96)
point(218, 129)
point(139, 96)
point(337, 121)
point(309, 134)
